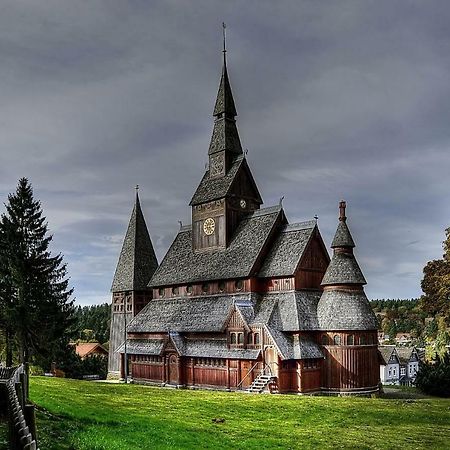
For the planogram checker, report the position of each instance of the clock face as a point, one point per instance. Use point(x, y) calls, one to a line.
point(209, 226)
point(243, 203)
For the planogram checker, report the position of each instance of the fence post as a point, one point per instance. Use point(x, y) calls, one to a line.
point(30, 419)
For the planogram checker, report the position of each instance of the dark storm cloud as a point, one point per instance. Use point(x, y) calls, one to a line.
point(335, 100)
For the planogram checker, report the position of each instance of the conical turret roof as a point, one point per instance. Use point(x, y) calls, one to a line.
point(137, 260)
point(342, 237)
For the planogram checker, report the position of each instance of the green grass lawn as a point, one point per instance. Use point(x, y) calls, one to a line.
point(91, 416)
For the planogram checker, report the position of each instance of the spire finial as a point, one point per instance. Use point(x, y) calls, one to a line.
point(224, 27)
point(137, 187)
point(342, 206)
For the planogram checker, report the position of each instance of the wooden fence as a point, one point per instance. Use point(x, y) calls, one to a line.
point(21, 417)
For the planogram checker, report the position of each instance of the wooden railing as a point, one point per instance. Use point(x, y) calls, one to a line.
point(262, 371)
point(20, 414)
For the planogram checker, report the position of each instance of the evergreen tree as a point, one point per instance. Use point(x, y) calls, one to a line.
point(35, 300)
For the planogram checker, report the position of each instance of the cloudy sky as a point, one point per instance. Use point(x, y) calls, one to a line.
point(336, 100)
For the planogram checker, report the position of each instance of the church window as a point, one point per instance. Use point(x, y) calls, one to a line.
point(175, 290)
point(324, 339)
point(250, 338)
point(161, 292)
point(205, 287)
point(189, 289)
point(233, 338)
point(351, 340)
point(239, 285)
point(362, 340)
point(337, 340)
point(256, 339)
point(222, 286)
point(240, 338)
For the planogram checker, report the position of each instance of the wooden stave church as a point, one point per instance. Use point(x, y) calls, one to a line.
point(241, 292)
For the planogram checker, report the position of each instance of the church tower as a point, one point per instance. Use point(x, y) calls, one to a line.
point(348, 325)
point(136, 265)
point(227, 191)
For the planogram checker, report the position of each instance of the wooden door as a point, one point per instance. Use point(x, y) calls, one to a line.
point(245, 368)
point(173, 369)
point(271, 357)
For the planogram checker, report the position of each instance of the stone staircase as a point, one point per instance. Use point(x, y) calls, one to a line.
point(262, 382)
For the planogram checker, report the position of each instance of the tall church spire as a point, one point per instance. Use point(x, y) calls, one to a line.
point(225, 144)
point(137, 260)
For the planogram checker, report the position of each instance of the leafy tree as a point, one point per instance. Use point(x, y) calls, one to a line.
point(35, 300)
point(436, 284)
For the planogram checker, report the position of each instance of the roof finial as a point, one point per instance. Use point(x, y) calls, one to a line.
point(137, 187)
point(224, 27)
point(281, 200)
point(342, 206)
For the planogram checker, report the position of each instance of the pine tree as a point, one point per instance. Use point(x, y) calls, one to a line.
point(35, 300)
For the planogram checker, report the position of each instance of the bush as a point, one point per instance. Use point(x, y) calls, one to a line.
point(434, 377)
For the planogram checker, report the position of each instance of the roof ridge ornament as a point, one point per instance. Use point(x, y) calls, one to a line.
point(224, 34)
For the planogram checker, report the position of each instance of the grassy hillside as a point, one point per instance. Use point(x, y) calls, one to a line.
point(91, 416)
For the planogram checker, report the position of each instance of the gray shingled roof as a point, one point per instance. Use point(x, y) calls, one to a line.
point(142, 346)
point(215, 188)
point(294, 347)
point(342, 237)
point(224, 102)
point(287, 250)
point(386, 352)
point(137, 260)
point(288, 310)
point(185, 314)
point(405, 354)
point(216, 348)
point(345, 310)
point(343, 269)
point(225, 136)
point(182, 265)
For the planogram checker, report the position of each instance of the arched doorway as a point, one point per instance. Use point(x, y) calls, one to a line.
point(173, 369)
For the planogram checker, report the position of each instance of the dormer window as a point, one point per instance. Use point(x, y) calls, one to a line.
point(233, 338)
point(240, 338)
point(256, 340)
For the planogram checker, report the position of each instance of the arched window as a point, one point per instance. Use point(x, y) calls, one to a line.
point(240, 338)
point(239, 285)
point(351, 340)
point(250, 338)
point(362, 340)
point(233, 338)
point(222, 286)
point(324, 339)
point(337, 340)
point(256, 339)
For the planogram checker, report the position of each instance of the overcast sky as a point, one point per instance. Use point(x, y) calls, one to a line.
point(336, 100)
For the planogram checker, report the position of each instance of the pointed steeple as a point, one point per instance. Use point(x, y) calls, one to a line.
point(137, 260)
point(225, 137)
point(343, 268)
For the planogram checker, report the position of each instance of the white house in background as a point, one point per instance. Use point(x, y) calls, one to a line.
point(389, 365)
point(398, 365)
point(409, 364)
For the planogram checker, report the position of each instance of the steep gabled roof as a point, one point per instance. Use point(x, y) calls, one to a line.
point(185, 314)
point(182, 265)
point(386, 352)
point(211, 189)
point(287, 250)
point(225, 136)
point(137, 260)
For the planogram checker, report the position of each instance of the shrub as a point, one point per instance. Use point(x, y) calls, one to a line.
point(434, 377)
